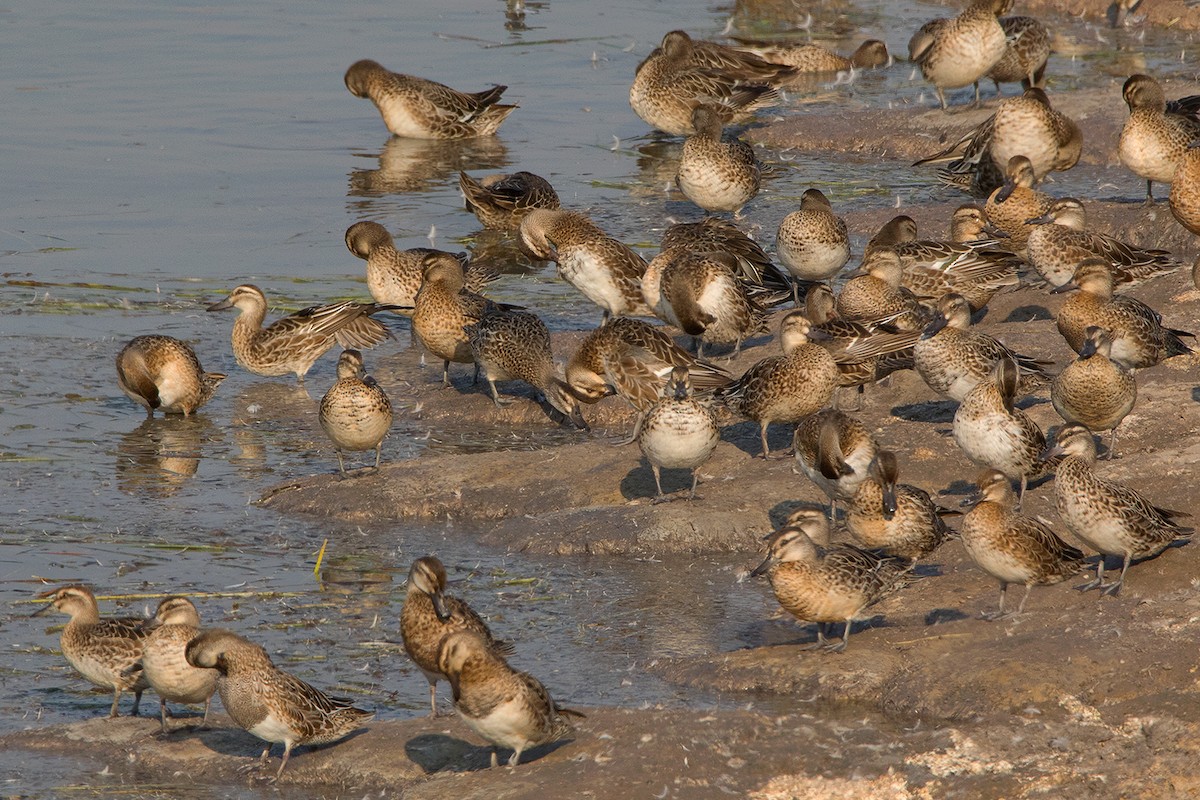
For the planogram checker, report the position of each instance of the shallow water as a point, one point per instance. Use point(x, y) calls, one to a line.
point(155, 157)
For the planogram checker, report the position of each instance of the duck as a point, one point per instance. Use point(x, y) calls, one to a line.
point(766, 284)
point(1011, 548)
point(1027, 125)
point(633, 360)
point(812, 58)
point(163, 665)
point(1025, 55)
point(729, 60)
point(714, 173)
point(873, 294)
point(973, 268)
point(1109, 517)
point(508, 344)
point(104, 651)
point(834, 450)
point(507, 707)
point(292, 344)
point(267, 702)
point(1010, 207)
point(500, 202)
point(953, 358)
point(894, 518)
point(355, 413)
point(703, 294)
point(864, 352)
point(784, 388)
point(678, 432)
point(418, 108)
point(604, 270)
point(394, 276)
point(163, 373)
point(443, 310)
point(969, 224)
point(1060, 242)
point(1030, 126)
point(823, 583)
point(1094, 390)
point(429, 615)
point(683, 73)
point(1139, 338)
point(813, 243)
point(995, 434)
point(1157, 133)
point(958, 52)
point(1185, 189)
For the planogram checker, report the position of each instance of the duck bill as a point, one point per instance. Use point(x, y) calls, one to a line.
point(564, 405)
point(938, 322)
point(1088, 350)
point(818, 335)
point(49, 597)
point(571, 418)
point(439, 607)
point(1044, 219)
point(762, 568)
point(889, 501)
point(1069, 286)
point(576, 419)
point(1052, 451)
point(221, 306)
point(1005, 191)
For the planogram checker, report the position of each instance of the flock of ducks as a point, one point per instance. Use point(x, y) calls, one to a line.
point(909, 305)
point(182, 662)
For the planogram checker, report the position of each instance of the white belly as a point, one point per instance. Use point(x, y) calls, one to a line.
point(993, 440)
point(273, 729)
point(508, 725)
point(591, 277)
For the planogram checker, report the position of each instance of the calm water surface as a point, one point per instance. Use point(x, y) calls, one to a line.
point(156, 156)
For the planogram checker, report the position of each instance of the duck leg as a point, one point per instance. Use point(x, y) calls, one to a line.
point(1099, 581)
point(1112, 444)
point(821, 643)
point(1000, 614)
point(840, 646)
point(204, 719)
point(1113, 588)
point(1028, 589)
point(660, 497)
point(637, 430)
point(496, 395)
point(287, 751)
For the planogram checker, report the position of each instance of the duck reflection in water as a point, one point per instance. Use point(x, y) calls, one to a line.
point(159, 456)
point(410, 165)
